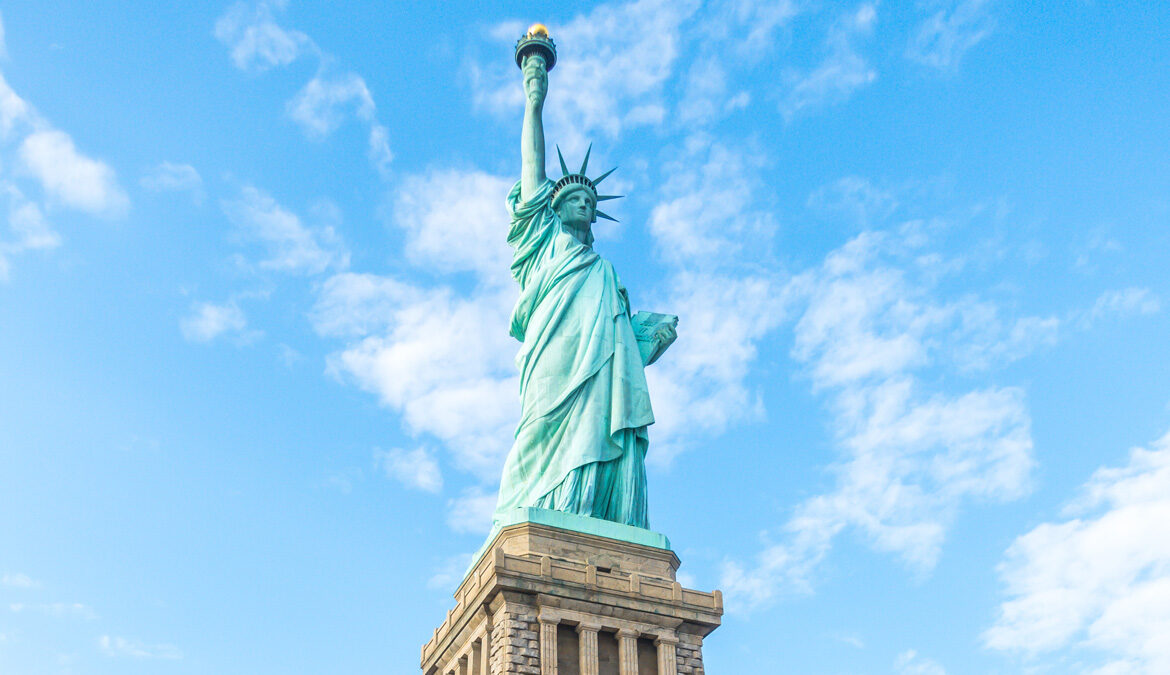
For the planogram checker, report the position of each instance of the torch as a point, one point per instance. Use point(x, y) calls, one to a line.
point(536, 41)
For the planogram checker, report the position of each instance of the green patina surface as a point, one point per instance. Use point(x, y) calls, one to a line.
point(581, 442)
point(587, 525)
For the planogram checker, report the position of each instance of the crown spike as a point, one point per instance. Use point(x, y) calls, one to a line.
point(597, 181)
point(602, 198)
point(602, 214)
point(586, 162)
point(564, 167)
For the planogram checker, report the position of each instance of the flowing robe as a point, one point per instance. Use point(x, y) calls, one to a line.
point(581, 442)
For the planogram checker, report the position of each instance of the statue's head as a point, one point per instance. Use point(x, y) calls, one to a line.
point(576, 205)
point(575, 196)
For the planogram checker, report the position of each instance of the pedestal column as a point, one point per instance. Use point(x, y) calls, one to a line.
point(548, 647)
point(587, 641)
point(485, 654)
point(667, 655)
point(627, 652)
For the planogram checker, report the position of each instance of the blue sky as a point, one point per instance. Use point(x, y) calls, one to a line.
point(256, 385)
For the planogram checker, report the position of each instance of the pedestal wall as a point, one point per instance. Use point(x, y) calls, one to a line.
point(543, 600)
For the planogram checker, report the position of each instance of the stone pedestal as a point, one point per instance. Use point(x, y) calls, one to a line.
point(543, 599)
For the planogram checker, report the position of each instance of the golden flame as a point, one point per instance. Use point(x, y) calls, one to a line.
point(538, 29)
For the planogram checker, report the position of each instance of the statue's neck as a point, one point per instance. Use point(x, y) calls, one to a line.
point(580, 233)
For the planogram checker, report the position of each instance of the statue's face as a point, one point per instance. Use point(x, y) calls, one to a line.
point(577, 209)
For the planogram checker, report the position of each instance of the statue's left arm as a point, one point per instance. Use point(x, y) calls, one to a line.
point(664, 337)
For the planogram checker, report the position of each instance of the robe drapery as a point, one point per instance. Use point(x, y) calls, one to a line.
point(581, 442)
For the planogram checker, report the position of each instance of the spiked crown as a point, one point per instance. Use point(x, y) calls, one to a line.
point(580, 179)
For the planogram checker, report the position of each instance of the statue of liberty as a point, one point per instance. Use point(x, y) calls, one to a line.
point(581, 442)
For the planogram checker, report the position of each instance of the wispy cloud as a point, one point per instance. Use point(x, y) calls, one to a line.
point(443, 362)
point(910, 457)
point(841, 73)
point(257, 43)
point(432, 209)
point(856, 200)
point(17, 580)
point(207, 321)
point(174, 177)
point(3, 40)
point(440, 357)
point(323, 103)
point(254, 39)
point(471, 511)
point(33, 149)
point(716, 242)
point(290, 246)
point(450, 572)
point(951, 30)
point(27, 223)
point(616, 84)
point(57, 610)
point(114, 646)
point(1099, 580)
point(911, 662)
point(1125, 302)
point(705, 96)
point(70, 177)
point(413, 468)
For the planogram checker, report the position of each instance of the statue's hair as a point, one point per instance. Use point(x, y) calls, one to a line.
point(561, 192)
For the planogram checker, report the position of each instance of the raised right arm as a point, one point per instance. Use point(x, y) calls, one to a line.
point(532, 175)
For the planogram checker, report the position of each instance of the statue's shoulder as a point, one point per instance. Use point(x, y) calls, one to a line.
point(519, 207)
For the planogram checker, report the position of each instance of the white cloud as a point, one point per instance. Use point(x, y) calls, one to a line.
point(942, 39)
point(169, 176)
point(990, 341)
point(450, 572)
point(356, 305)
point(456, 221)
point(28, 226)
point(14, 110)
point(257, 43)
point(749, 26)
point(3, 41)
point(290, 245)
point(856, 199)
point(415, 468)
point(1125, 302)
point(442, 359)
point(614, 84)
point(66, 175)
point(708, 220)
point(911, 458)
point(321, 106)
point(17, 580)
point(717, 245)
point(57, 610)
point(208, 321)
point(699, 386)
point(379, 152)
point(910, 662)
point(1100, 580)
point(841, 73)
point(705, 98)
point(471, 511)
point(443, 362)
point(255, 40)
point(121, 647)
